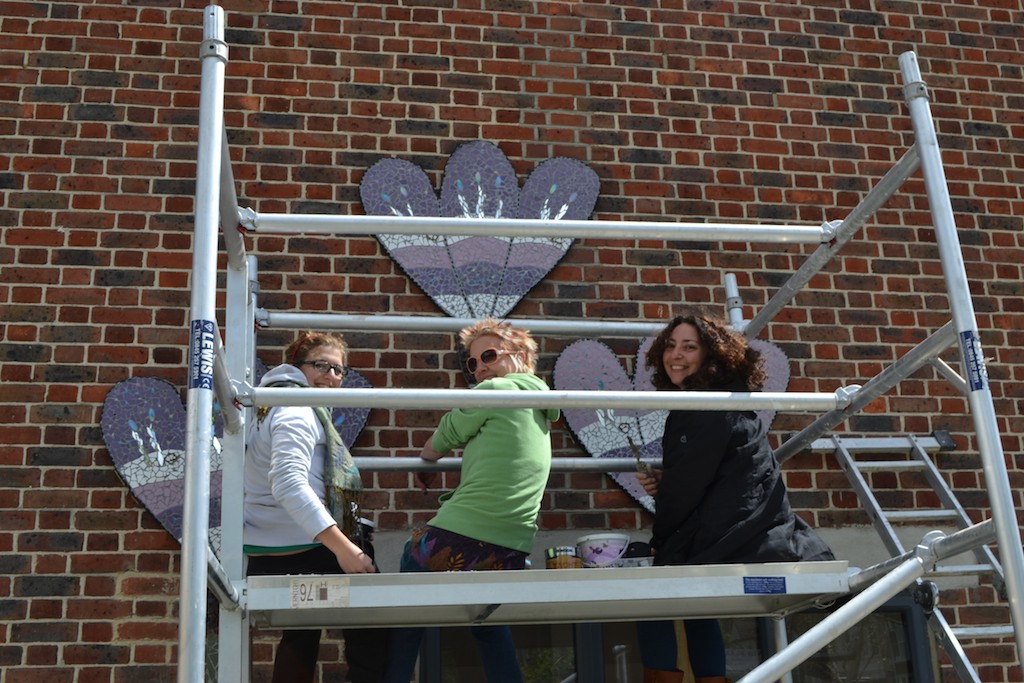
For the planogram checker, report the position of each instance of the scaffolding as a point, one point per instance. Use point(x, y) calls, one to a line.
point(225, 372)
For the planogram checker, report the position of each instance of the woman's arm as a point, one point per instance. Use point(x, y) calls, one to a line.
point(295, 433)
point(425, 479)
point(428, 453)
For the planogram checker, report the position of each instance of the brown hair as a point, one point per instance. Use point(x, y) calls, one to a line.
point(729, 356)
point(513, 338)
point(300, 349)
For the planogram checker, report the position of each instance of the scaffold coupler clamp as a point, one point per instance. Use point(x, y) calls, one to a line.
point(925, 550)
point(243, 393)
point(829, 230)
point(844, 396)
point(213, 28)
point(926, 593)
point(915, 90)
point(247, 219)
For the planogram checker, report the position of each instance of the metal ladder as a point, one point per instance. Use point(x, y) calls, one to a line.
point(949, 512)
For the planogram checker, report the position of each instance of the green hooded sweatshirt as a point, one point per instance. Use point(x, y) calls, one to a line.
point(506, 459)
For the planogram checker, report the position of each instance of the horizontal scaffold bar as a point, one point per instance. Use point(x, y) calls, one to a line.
point(409, 323)
point(444, 399)
point(513, 227)
point(413, 463)
point(405, 463)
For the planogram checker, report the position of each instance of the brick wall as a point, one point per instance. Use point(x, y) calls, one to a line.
point(711, 110)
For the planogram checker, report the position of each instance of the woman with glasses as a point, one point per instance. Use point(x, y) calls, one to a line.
point(488, 522)
point(719, 497)
point(301, 504)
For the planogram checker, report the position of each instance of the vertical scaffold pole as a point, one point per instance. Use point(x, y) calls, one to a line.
point(972, 358)
point(202, 345)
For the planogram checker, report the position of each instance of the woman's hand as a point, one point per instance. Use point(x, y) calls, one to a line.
point(425, 480)
point(351, 557)
point(355, 561)
point(650, 482)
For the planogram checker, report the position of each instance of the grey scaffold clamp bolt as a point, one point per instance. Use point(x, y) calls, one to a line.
point(247, 219)
point(844, 395)
point(829, 229)
point(243, 393)
point(925, 550)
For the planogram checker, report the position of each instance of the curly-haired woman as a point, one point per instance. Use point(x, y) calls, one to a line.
point(719, 497)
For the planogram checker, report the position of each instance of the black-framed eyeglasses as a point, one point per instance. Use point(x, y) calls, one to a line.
point(487, 357)
point(323, 367)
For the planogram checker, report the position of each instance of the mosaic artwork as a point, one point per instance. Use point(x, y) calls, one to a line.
point(613, 433)
point(478, 276)
point(144, 425)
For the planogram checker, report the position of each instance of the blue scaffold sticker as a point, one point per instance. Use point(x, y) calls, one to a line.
point(764, 585)
point(974, 362)
point(200, 353)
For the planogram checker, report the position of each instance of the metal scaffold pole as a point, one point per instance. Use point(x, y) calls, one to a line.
point(972, 358)
point(202, 349)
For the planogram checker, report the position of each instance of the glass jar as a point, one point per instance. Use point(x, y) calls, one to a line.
point(562, 557)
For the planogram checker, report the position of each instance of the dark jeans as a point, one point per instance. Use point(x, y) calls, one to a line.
point(296, 656)
point(659, 648)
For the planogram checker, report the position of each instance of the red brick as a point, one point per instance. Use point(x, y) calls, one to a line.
point(571, 83)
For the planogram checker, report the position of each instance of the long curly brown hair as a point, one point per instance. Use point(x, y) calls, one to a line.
point(729, 356)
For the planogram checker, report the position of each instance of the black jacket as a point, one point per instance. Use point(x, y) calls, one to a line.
point(721, 498)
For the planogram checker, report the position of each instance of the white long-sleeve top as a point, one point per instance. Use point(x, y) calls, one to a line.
point(284, 473)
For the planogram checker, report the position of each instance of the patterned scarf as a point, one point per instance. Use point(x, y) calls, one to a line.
point(341, 478)
point(342, 484)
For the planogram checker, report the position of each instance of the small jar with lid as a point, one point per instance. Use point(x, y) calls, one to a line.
point(562, 557)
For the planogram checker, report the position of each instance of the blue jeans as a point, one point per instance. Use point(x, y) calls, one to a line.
point(493, 643)
point(659, 648)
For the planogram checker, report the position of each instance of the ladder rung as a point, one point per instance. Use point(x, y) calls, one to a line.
point(888, 465)
point(892, 444)
point(914, 515)
point(959, 569)
point(973, 632)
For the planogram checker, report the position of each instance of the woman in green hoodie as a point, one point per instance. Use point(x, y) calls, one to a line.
point(488, 522)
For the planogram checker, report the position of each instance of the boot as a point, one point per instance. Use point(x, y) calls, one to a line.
point(661, 676)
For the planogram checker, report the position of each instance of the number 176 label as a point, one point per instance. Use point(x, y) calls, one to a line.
point(319, 591)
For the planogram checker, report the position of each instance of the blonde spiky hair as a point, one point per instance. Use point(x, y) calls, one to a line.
point(513, 338)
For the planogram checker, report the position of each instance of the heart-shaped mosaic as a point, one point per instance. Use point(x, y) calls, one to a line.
point(478, 276)
point(606, 433)
point(144, 425)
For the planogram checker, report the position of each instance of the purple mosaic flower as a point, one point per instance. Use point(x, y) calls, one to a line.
point(589, 364)
point(144, 425)
point(477, 276)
